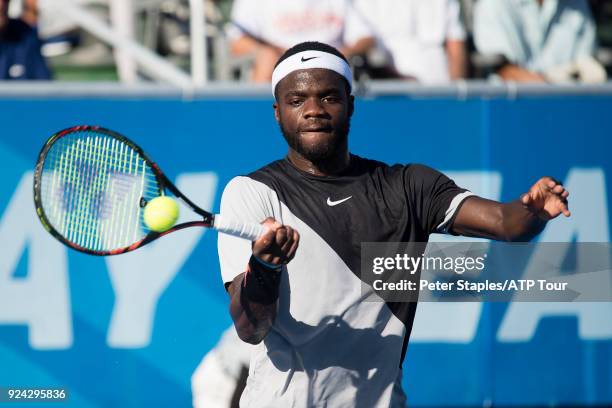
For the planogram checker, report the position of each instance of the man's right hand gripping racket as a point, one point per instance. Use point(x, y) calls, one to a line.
point(91, 186)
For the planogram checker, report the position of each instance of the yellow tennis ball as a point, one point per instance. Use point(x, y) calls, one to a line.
point(161, 213)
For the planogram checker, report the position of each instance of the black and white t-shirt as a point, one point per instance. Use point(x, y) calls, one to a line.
point(328, 347)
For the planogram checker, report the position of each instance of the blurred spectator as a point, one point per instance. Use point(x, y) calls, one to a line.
point(20, 56)
point(424, 39)
point(268, 27)
point(220, 378)
point(538, 40)
point(30, 12)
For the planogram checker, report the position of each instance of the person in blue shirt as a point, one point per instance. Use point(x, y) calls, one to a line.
point(20, 57)
point(539, 40)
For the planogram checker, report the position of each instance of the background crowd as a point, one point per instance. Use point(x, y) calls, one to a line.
point(428, 41)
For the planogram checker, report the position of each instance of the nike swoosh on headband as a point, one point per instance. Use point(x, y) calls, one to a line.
point(307, 59)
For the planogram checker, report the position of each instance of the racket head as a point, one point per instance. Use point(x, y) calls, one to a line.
point(90, 188)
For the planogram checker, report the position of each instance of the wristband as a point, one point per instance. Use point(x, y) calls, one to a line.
point(266, 264)
point(260, 283)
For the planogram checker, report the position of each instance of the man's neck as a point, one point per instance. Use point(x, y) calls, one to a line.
point(330, 167)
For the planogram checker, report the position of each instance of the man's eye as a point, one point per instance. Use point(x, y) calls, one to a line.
point(331, 99)
point(295, 102)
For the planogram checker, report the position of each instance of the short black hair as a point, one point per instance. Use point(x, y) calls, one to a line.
point(312, 46)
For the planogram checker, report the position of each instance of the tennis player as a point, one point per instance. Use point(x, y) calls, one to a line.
point(319, 344)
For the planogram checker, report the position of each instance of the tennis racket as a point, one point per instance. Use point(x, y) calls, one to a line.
point(91, 186)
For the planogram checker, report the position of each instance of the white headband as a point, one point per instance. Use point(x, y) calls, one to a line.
point(308, 60)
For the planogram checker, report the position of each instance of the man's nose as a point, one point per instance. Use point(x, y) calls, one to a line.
point(313, 107)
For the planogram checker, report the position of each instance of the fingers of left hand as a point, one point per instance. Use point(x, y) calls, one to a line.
point(526, 199)
point(564, 209)
point(554, 186)
point(550, 182)
point(560, 192)
point(561, 204)
point(558, 189)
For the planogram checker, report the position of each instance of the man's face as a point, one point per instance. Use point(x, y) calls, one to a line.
point(313, 110)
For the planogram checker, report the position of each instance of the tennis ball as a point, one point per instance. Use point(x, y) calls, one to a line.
point(161, 213)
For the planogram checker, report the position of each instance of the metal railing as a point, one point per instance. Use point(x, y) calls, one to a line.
point(459, 90)
point(131, 53)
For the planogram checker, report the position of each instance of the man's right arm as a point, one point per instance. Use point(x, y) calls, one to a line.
point(254, 293)
point(252, 320)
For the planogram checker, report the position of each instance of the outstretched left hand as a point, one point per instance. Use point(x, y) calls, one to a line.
point(547, 198)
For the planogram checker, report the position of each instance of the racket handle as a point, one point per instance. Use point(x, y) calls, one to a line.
point(250, 231)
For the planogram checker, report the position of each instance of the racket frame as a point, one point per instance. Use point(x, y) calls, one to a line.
point(162, 180)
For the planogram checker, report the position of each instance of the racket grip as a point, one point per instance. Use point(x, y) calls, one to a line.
point(247, 230)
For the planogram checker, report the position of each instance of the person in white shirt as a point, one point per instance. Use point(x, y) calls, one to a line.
point(538, 40)
point(424, 39)
point(266, 28)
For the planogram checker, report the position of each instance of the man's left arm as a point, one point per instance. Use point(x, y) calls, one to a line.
point(519, 220)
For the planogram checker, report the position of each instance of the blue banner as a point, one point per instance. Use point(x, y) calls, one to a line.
point(131, 330)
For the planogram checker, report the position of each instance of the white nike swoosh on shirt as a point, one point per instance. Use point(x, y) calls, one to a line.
point(332, 203)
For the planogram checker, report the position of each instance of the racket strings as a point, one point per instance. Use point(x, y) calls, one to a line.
point(91, 190)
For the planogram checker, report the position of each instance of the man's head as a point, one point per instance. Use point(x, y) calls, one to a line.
point(312, 87)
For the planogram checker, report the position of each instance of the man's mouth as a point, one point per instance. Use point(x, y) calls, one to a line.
point(322, 129)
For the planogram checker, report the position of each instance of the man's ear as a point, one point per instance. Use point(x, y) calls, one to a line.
point(351, 105)
point(276, 112)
